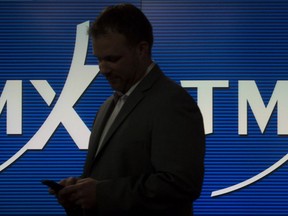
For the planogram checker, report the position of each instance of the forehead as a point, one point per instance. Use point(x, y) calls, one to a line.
point(109, 44)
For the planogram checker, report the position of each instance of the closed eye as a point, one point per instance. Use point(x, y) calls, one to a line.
point(112, 59)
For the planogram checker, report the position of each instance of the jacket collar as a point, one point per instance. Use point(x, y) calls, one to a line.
point(132, 101)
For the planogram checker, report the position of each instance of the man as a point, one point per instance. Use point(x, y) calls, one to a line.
point(146, 150)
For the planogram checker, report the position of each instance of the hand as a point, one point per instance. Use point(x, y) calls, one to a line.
point(69, 181)
point(65, 182)
point(82, 193)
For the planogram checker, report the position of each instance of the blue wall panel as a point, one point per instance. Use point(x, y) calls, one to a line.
point(194, 40)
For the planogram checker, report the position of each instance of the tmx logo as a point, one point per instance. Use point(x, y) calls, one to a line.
point(80, 77)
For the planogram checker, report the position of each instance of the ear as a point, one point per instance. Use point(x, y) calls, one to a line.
point(143, 49)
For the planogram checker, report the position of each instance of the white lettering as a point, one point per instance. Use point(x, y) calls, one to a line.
point(205, 98)
point(249, 93)
point(79, 78)
point(12, 97)
point(45, 90)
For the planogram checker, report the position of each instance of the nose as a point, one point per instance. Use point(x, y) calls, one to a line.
point(104, 67)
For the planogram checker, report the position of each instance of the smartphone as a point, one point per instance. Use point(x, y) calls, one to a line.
point(53, 185)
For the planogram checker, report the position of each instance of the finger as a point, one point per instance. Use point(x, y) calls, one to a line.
point(51, 191)
point(72, 180)
point(79, 202)
point(73, 198)
point(83, 180)
point(69, 197)
point(68, 181)
point(82, 203)
point(65, 203)
point(68, 191)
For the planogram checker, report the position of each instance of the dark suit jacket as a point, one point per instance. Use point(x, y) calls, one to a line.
point(152, 159)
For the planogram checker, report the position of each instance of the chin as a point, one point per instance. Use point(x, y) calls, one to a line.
point(116, 88)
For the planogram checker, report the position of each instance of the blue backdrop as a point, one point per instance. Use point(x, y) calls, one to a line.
point(236, 52)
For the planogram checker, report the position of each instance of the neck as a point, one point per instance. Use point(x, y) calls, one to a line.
point(140, 76)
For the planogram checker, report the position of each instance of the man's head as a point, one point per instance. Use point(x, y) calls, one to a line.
point(122, 40)
point(125, 19)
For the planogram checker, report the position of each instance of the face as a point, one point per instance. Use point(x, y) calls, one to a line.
point(119, 62)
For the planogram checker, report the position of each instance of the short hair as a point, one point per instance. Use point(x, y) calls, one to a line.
point(125, 19)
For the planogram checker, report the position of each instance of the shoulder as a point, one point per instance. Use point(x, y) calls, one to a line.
point(171, 92)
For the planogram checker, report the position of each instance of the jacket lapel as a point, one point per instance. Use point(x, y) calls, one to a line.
point(98, 126)
point(127, 108)
point(132, 101)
